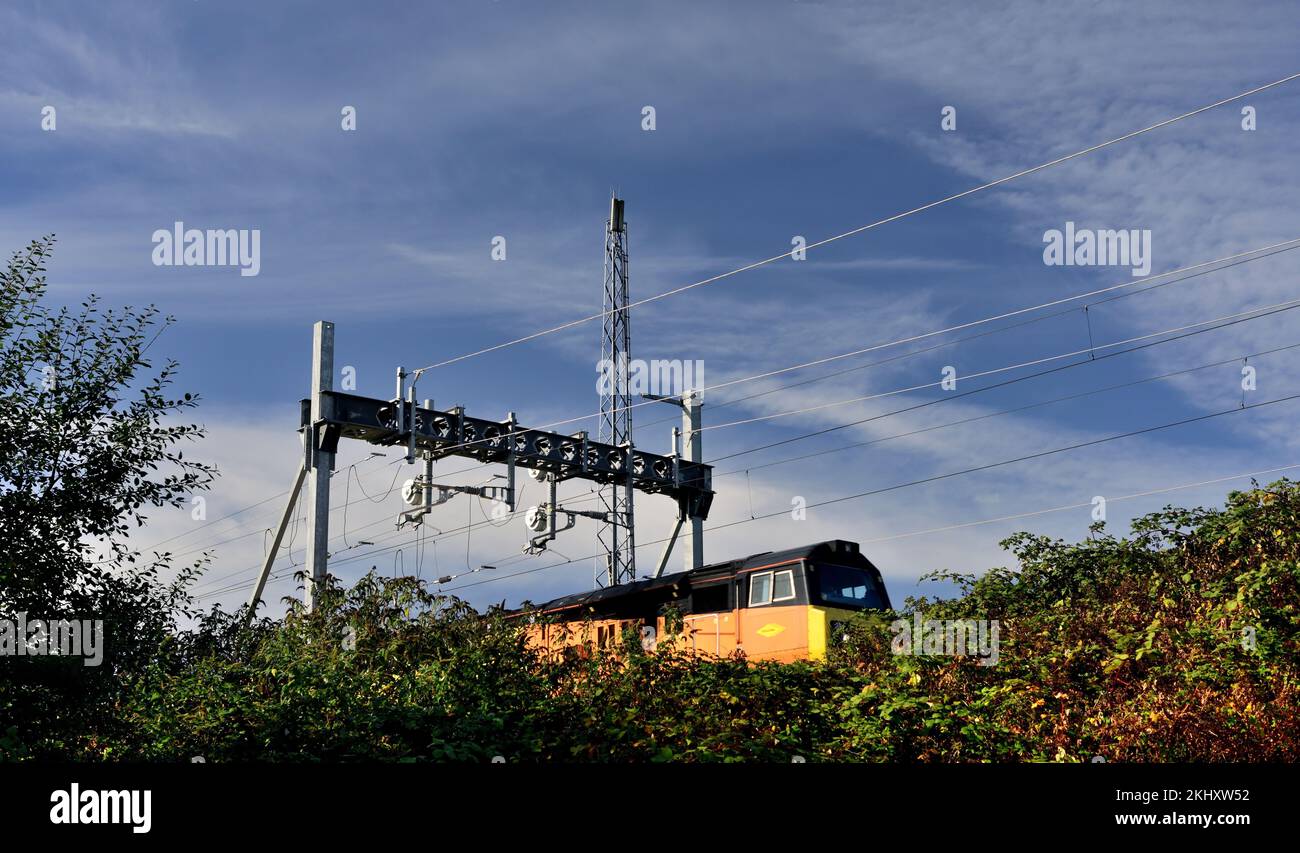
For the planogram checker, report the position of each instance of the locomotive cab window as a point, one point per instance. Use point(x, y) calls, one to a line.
point(713, 598)
point(844, 586)
point(783, 586)
point(767, 587)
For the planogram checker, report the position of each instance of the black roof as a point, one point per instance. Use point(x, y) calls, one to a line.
point(828, 550)
point(635, 588)
point(676, 585)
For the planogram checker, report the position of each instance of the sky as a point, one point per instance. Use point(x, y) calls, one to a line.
point(772, 121)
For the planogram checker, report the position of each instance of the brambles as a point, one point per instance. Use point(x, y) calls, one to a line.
point(1180, 642)
point(1126, 648)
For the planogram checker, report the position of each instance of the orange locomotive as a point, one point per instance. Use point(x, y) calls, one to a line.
point(780, 606)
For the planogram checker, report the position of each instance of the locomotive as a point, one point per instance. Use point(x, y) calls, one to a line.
point(778, 606)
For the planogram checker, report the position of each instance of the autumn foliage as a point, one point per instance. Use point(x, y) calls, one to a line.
point(1177, 643)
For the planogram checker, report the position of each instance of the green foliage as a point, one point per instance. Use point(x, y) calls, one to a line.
point(88, 442)
point(1180, 642)
point(1134, 649)
point(1128, 648)
point(384, 670)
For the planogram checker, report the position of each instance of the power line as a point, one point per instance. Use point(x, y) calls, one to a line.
point(1161, 491)
point(1241, 259)
point(1279, 306)
point(368, 554)
point(453, 532)
point(342, 507)
point(1027, 407)
point(885, 221)
point(1228, 261)
point(863, 228)
point(1008, 314)
point(441, 536)
point(1039, 455)
point(954, 474)
point(959, 395)
point(226, 517)
point(935, 478)
point(264, 530)
point(1231, 260)
point(969, 324)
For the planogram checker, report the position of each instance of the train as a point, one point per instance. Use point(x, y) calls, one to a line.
point(776, 606)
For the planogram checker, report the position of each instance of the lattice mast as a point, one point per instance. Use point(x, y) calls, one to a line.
point(617, 539)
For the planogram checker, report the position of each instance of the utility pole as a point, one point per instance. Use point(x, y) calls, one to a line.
point(692, 404)
point(692, 420)
point(614, 465)
point(255, 598)
point(329, 416)
point(618, 538)
point(320, 445)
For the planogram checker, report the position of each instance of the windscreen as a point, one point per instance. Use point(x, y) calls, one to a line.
point(843, 586)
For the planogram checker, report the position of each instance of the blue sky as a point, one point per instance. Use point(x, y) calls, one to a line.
point(477, 119)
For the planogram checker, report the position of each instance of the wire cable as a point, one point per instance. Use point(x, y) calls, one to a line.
point(1090, 351)
point(1017, 516)
point(961, 394)
point(1039, 404)
point(863, 228)
point(835, 428)
point(1292, 243)
point(932, 479)
point(1240, 260)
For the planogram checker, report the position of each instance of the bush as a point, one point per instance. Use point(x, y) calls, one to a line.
point(1128, 648)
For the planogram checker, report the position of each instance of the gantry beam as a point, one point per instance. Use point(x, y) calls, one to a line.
point(453, 433)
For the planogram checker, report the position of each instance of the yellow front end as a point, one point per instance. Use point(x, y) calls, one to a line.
point(819, 628)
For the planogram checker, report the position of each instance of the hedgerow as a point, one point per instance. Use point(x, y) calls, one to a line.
point(1178, 642)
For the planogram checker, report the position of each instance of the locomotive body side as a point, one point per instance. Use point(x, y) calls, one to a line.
point(778, 607)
